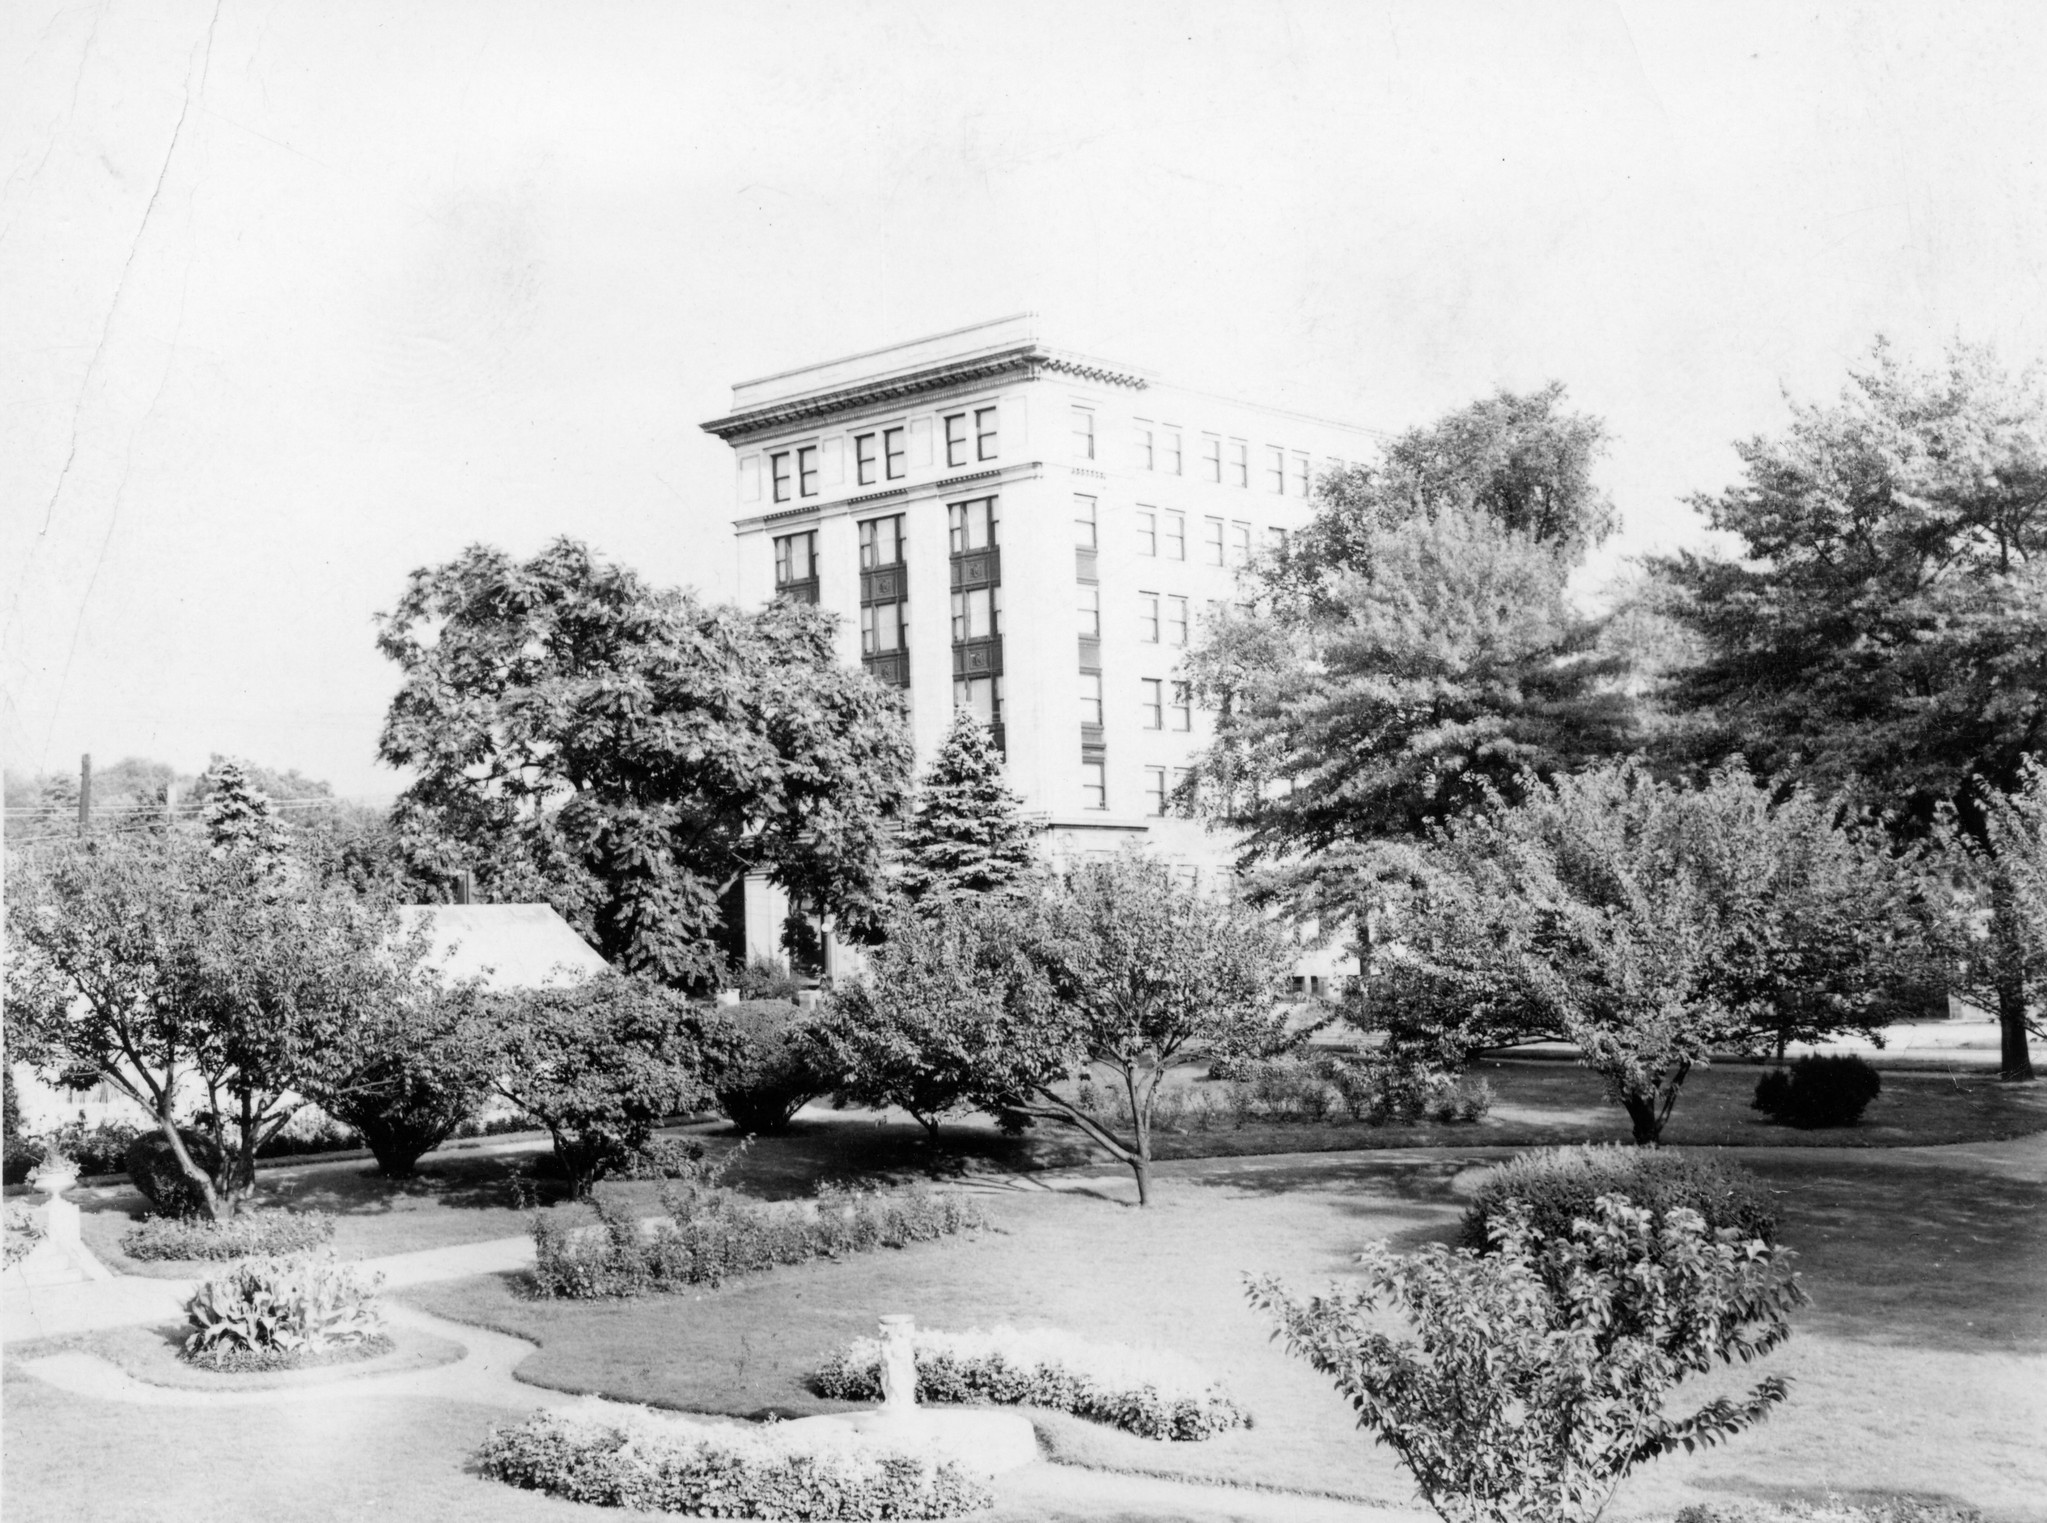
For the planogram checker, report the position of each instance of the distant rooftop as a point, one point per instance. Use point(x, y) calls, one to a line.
point(508, 946)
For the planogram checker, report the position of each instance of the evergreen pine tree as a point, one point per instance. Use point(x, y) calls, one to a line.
point(238, 813)
point(965, 835)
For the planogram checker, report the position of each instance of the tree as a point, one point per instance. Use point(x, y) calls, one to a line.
point(1412, 651)
point(1886, 622)
point(2014, 863)
point(1145, 973)
point(633, 754)
point(927, 1028)
point(1543, 1367)
point(162, 966)
point(1651, 925)
point(964, 835)
point(601, 1064)
point(409, 1071)
point(238, 815)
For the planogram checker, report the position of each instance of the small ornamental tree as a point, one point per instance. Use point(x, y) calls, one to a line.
point(1145, 973)
point(409, 1072)
point(1650, 925)
point(2014, 864)
point(925, 1029)
point(964, 834)
point(188, 976)
point(601, 1063)
point(1543, 1367)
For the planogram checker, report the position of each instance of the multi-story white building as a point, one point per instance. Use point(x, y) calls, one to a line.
point(1032, 533)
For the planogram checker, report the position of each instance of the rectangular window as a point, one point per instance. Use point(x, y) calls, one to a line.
point(881, 542)
point(1275, 470)
point(863, 459)
point(1143, 447)
point(1147, 532)
point(1175, 547)
point(1091, 698)
point(1275, 539)
point(778, 473)
point(1176, 621)
point(1169, 453)
point(1154, 691)
point(892, 454)
point(1155, 790)
point(1182, 706)
point(973, 524)
point(1300, 475)
point(1240, 463)
point(1094, 784)
point(955, 439)
point(1212, 457)
point(981, 696)
point(1084, 523)
point(1083, 433)
point(985, 441)
point(795, 557)
point(1240, 544)
point(1089, 605)
point(1148, 617)
point(882, 628)
point(1180, 776)
point(1212, 541)
point(806, 471)
point(976, 615)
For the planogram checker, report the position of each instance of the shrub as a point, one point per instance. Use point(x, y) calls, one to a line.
point(1152, 1395)
point(98, 1149)
point(153, 1170)
point(499, 1126)
point(1818, 1091)
point(238, 1237)
point(616, 1456)
point(1543, 1367)
point(22, 1234)
point(300, 1304)
point(224, 1360)
point(763, 978)
point(1561, 1185)
point(1891, 1509)
point(771, 1067)
point(711, 1235)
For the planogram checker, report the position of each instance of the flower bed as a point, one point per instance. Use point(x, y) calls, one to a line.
point(223, 1360)
point(1150, 1394)
point(618, 1456)
point(239, 1237)
point(711, 1235)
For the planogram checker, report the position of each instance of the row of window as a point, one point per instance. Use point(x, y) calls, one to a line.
point(1161, 448)
point(880, 455)
point(1160, 784)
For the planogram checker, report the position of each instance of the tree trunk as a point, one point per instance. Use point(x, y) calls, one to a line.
point(198, 1178)
point(1642, 1115)
point(2008, 975)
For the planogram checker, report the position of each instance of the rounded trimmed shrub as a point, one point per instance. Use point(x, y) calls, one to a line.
point(1562, 1185)
point(1818, 1091)
point(153, 1169)
point(771, 1067)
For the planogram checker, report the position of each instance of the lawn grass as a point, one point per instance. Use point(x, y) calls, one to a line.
point(471, 1196)
point(1922, 1366)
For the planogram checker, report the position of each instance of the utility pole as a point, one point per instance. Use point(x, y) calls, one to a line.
point(85, 793)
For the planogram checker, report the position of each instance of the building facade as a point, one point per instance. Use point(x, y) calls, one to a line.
point(1034, 534)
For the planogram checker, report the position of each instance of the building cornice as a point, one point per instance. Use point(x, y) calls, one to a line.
point(1024, 362)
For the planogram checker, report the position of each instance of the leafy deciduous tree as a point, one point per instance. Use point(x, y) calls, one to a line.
point(632, 754)
point(162, 966)
point(600, 1063)
point(1413, 650)
point(1650, 925)
point(1886, 623)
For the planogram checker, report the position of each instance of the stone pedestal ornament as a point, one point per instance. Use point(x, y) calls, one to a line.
point(899, 1366)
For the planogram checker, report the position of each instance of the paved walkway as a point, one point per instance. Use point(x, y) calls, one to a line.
point(30, 1311)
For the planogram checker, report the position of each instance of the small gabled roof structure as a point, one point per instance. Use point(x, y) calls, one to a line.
point(508, 946)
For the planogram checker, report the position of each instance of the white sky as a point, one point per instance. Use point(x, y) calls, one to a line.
point(295, 297)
